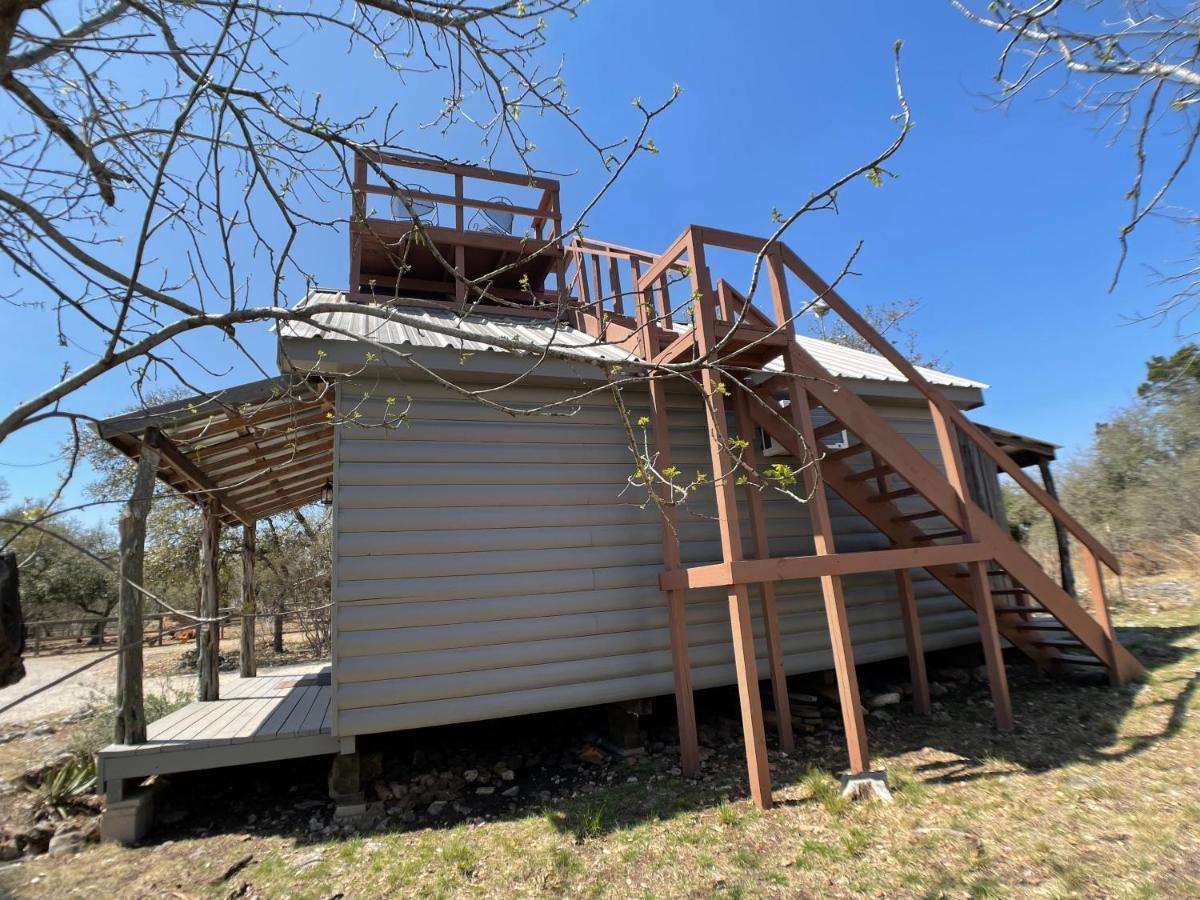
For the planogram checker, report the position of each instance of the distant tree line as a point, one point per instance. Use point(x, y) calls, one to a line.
point(1137, 486)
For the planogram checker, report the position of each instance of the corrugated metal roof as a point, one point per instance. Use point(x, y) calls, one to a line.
point(843, 362)
point(350, 324)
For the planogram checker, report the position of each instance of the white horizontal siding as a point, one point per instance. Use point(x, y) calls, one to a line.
point(490, 564)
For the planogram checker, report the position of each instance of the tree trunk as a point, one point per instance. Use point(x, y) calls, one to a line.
point(209, 656)
point(246, 661)
point(130, 725)
point(12, 622)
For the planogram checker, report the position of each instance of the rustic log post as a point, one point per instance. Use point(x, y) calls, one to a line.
point(130, 724)
point(277, 633)
point(1060, 533)
point(208, 658)
point(246, 660)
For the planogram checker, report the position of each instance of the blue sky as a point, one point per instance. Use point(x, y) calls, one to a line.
point(1002, 223)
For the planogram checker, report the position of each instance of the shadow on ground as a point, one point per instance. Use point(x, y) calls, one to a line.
point(442, 777)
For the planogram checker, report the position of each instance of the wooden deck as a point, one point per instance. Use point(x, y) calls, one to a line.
point(261, 719)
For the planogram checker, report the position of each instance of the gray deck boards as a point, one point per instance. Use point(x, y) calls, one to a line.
point(270, 717)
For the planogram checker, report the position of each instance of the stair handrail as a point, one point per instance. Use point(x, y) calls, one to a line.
point(936, 397)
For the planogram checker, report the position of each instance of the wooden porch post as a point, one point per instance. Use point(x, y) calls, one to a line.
point(130, 724)
point(981, 591)
point(740, 623)
point(246, 661)
point(1060, 533)
point(209, 648)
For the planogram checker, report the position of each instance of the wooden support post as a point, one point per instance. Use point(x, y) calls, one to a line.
point(130, 725)
point(1060, 532)
point(909, 617)
point(685, 705)
point(913, 642)
point(209, 646)
point(1100, 603)
point(246, 662)
point(823, 544)
point(460, 251)
point(766, 590)
point(977, 577)
point(745, 662)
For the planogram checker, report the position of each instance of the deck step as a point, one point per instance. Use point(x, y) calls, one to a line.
point(938, 535)
point(1020, 609)
point(1015, 591)
point(894, 495)
point(912, 517)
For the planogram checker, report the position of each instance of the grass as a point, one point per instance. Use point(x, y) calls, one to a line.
point(1097, 794)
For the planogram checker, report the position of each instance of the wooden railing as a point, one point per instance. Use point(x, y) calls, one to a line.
point(541, 220)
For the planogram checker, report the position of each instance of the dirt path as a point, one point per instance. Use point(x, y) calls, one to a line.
point(79, 691)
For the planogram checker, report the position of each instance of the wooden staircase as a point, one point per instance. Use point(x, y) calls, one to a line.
point(727, 346)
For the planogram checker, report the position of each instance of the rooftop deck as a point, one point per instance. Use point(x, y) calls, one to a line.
point(261, 719)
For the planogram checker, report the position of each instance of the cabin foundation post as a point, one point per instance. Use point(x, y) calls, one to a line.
point(625, 726)
point(130, 724)
point(247, 666)
point(208, 656)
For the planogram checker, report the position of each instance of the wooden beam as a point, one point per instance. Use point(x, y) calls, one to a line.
point(207, 632)
point(789, 568)
point(1061, 536)
point(913, 643)
point(981, 590)
point(130, 724)
point(766, 590)
point(745, 663)
point(685, 705)
point(1100, 605)
point(822, 528)
point(188, 470)
point(247, 666)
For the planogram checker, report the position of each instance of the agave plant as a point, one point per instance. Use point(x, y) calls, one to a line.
point(62, 788)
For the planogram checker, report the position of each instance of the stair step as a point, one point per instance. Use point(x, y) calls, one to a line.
point(1019, 609)
point(846, 453)
point(1015, 591)
point(938, 535)
point(1053, 642)
point(868, 474)
point(912, 517)
point(828, 428)
point(1076, 659)
point(894, 495)
point(996, 572)
point(1046, 625)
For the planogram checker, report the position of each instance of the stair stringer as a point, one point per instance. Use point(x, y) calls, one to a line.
point(876, 434)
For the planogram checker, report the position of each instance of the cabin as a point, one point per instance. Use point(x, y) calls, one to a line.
point(565, 473)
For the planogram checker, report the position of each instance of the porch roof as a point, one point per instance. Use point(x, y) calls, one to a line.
point(250, 451)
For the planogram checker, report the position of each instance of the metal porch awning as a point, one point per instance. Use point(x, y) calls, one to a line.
point(248, 452)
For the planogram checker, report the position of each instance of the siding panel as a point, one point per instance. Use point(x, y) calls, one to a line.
point(490, 564)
